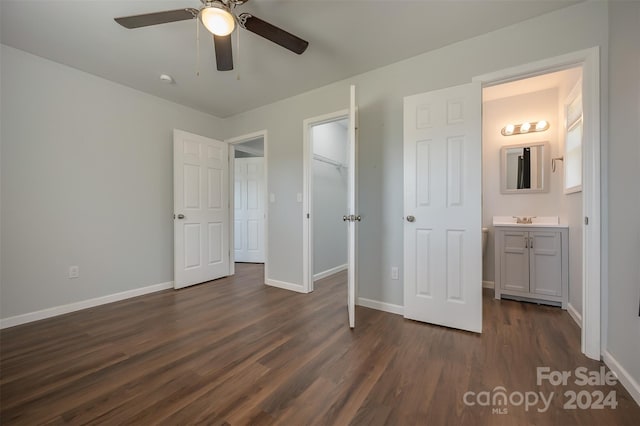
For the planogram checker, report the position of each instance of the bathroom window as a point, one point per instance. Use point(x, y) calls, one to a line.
point(573, 142)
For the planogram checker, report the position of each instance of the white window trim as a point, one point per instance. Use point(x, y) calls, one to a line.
point(573, 95)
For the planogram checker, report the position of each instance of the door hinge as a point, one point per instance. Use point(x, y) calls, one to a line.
point(586, 220)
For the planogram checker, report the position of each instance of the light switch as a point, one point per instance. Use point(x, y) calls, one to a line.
point(272, 197)
point(299, 197)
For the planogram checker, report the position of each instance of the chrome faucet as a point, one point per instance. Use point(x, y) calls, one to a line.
point(524, 219)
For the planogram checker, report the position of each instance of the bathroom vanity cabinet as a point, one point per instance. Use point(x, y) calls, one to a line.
point(531, 263)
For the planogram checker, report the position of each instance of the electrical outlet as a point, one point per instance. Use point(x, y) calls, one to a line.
point(74, 272)
point(394, 272)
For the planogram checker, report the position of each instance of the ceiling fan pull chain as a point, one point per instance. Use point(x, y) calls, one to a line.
point(197, 48)
point(237, 42)
point(238, 54)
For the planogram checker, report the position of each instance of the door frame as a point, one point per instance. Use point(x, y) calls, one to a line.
point(307, 192)
point(594, 259)
point(232, 151)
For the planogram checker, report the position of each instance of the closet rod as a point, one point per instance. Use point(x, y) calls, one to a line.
point(327, 160)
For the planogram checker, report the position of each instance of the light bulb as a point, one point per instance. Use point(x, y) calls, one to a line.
point(524, 127)
point(541, 125)
point(508, 129)
point(217, 19)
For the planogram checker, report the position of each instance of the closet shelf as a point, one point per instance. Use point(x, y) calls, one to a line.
point(328, 161)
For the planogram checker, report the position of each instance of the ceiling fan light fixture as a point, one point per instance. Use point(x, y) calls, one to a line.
point(217, 19)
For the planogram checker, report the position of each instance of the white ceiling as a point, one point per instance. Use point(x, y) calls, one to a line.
point(346, 38)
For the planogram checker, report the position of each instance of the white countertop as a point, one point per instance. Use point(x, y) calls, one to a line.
point(531, 225)
point(537, 222)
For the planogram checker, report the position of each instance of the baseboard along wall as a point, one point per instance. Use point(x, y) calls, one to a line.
point(629, 383)
point(573, 313)
point(83, 304)
point(331, 271)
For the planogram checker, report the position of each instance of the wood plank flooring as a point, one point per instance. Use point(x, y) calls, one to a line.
point(237, 352)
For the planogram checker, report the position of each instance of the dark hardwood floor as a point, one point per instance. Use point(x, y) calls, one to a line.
point(235, 351)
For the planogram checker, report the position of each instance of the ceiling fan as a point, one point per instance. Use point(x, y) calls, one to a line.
point(219, 19)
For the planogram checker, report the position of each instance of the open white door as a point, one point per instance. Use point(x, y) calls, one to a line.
point(352, 205)
point(249, 210)
point(201, 209)
point(442, 207)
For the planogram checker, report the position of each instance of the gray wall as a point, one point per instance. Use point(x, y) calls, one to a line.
point(572, 208)
point(329, 198)
point(623, 192)
point(86, 180)
point(380, 97)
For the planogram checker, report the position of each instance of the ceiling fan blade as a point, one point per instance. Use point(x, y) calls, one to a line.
point(272, 33)
point(224, 54)
point(147, 19)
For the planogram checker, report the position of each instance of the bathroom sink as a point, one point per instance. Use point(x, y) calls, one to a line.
point(535, 221)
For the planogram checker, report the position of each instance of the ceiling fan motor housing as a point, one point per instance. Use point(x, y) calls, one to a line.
point(217, 18)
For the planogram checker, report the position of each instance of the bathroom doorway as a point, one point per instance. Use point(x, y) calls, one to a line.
point(532, 172)
point(593, 258)
point(546, 190)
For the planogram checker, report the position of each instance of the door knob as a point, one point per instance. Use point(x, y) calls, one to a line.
point(358, 218)
point(180, 216)
point(411, 219)
point(345, 218)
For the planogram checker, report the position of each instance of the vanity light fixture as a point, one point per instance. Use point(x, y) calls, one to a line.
point(541, 125)
point(520, 129)
point(508, 129)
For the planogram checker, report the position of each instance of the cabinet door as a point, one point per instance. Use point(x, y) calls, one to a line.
point(514, 262)
point(546, 262)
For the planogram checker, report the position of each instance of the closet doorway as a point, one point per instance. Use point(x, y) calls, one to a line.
point(327, 174)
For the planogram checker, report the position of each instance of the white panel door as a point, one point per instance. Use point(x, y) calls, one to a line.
point(201, 209)
point(249, 210)
point(442, 207)
point(352, 206)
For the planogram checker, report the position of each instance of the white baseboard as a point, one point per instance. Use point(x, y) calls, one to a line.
point(324, 274)
point(381, 306)
point(624, 377)
point(488, 284)
point(285, 285)
point(574, 314)
point(84, 304)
